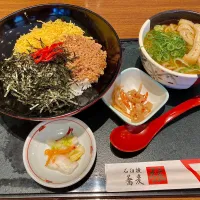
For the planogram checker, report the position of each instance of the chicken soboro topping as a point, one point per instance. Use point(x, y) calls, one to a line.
point(90, 60)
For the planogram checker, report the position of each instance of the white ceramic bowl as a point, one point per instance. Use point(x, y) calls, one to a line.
point(131, 79)
point(35, 145)
point(167, 77)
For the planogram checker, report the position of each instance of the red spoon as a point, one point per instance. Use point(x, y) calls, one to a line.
point(129, 138)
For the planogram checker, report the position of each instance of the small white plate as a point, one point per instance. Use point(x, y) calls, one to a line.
point(35, 145)
point(130, 79)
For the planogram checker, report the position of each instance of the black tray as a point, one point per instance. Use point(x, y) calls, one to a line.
point(178, 140)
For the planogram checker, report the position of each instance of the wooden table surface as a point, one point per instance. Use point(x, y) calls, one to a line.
point(126, 16)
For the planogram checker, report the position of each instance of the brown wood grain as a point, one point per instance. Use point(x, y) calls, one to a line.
point(188, 198)
point(126, 16)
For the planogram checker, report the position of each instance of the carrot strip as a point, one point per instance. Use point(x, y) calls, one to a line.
point(132, 101)
point(65, 151)
point(124, 99)
point(49, 159)
point(120, 110)
point(52, 152)
point(140, 88)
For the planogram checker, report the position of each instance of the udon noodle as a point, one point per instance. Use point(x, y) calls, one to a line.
point(175, 46)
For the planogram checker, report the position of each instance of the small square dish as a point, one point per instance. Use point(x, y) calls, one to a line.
point(130, 79)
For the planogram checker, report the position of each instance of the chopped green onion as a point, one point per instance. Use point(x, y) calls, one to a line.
point(163, 46)
point(150, 36)
point(178, 46)
point(158, 28)
point(158, 58)
point(165, 57)
point(175, 54)
point(170, 47)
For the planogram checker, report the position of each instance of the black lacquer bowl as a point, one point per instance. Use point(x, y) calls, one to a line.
point(20, 22)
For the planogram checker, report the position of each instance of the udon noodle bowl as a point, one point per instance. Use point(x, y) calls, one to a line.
point(175, 46)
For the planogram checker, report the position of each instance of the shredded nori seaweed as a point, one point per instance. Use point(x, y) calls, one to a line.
point(44, 87)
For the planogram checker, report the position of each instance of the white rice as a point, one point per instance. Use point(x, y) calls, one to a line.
point(78, 88)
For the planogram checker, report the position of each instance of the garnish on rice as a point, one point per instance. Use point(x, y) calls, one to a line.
point(50, 32)
point(47, 54)
point(44, 86)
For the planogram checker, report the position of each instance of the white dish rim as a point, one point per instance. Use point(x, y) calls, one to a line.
point(61, 185)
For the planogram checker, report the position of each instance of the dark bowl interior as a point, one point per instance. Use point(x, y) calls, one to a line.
point(20, 22)
point(173, 16)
